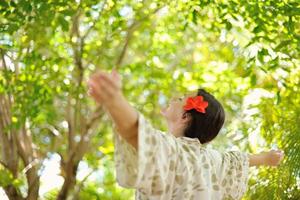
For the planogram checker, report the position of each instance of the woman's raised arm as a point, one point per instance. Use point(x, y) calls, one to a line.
point(270, 158)
point(106, 90)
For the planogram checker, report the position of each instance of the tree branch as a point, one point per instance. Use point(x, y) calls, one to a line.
point(3, 59)
point(70, 124)
point(28, 155)
point(98, 113)
point(94, 22)
point(128, 38)
point(80, 185)
point(3, 164)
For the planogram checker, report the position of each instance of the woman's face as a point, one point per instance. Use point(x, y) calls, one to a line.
point(174, 112)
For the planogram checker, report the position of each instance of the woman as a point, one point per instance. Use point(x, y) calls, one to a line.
point(177, 164)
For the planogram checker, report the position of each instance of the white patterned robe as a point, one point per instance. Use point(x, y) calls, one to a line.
point(168, 168)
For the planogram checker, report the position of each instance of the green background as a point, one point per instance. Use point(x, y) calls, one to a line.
point(246, 53)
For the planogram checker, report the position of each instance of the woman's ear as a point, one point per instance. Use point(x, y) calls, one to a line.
point(186, 117)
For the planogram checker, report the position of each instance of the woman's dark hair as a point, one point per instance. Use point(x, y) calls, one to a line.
point(206, 126)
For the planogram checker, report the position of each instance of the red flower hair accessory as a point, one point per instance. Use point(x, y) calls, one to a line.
point(196, 103)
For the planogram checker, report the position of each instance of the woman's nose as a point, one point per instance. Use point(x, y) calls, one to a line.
point(163, 111)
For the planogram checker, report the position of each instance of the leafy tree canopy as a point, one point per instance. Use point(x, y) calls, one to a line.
point(244, 52)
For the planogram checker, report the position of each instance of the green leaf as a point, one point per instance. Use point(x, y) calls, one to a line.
point(278, 98)
point(253, 79)
point(63, 22)
point(6, 177)
point(3, 5)
point(228, 25)
point(257, 29)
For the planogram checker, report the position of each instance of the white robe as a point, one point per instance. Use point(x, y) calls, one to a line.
point(170, 168)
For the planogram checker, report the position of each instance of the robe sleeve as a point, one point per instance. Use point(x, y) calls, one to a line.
point(148, 167)
point(234, 174)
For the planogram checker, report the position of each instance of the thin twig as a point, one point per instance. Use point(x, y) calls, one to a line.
point(128, 38)
point(96, 115)
point(80, 185)
point(94, 22)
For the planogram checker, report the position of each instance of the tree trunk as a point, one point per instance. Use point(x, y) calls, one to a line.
point(33, 181)
point(70, 179)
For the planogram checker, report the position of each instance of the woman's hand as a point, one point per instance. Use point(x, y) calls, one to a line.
point(105, 88)
point(270, 158)
point(273, 157)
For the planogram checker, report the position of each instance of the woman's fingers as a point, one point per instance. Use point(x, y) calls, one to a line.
point(109, 80)
point(103, 87)
point(116, 78)
point(275, 157)
point(94, 91)
point(105, 83)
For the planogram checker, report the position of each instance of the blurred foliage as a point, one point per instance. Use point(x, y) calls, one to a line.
point(280, 126)
point(244, 52)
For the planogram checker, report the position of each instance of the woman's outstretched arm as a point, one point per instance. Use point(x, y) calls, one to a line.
point(106, 90)
point(270, 158)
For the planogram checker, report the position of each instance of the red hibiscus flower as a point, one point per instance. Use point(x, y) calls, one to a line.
point(196, 103)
